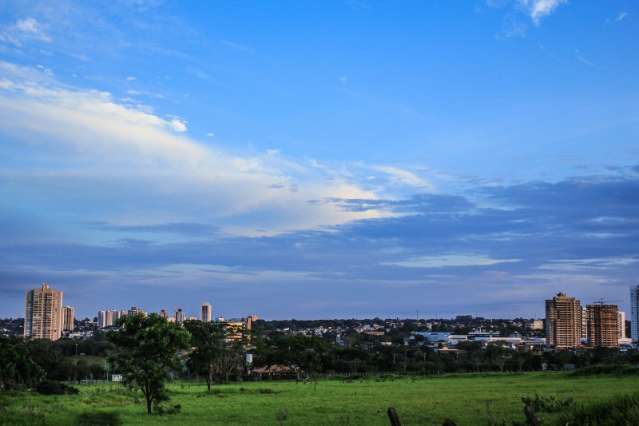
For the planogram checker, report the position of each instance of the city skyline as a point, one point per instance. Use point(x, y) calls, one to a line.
point(291, 160)
point(567, 324)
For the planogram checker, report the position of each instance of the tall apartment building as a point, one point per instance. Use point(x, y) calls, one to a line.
point(109, 318)
point(603, 325)
point(249, 322)
point(206, 312)
point(164, 314)
point(179, 316)
point(563, 322)
point(43, 313)
point(68, 318)
point(634, 312)
point(116, 316)
point(136, 311)
point(621, 321)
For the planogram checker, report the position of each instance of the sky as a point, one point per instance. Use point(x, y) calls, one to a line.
point(319, 159)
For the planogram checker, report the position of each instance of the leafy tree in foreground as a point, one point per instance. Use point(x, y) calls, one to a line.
point(207, 339)
point(146, 351)
point(17, 367)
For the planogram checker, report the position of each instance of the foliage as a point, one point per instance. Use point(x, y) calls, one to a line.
point(623, 410)
point(618, 369)
point(548, 404)
point(146, 351)
point(51, 387)
point(17, 366)
point(99, 419)
point(212, 356)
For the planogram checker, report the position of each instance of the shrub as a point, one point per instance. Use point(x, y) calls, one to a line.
point(50, 387)
point(548, 404)
point(99, 419)
point(617, 369)
point(622, 410)
point(161, 410)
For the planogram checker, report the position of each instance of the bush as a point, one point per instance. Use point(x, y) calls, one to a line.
point(617, 369)
point(622, 410)
point(99, 419)
point(548, 404)
point(50, 387)
point(161, 410)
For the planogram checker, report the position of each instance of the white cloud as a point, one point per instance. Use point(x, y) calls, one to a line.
point(178, 125)
point(23, 30)
point(152, 171)
point(537, 9)
point(447, 261)
point(404, 177)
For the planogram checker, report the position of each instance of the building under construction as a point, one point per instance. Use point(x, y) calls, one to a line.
point(603, 325)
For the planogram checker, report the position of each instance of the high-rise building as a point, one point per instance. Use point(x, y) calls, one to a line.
point(136, 311)
point(164, 314)
point(621, 324)
point(249, 322)
point(563, 322)
point(603, 325)
point(116, 316)
point(206, 312)
point(634, 312)
point(43, 313)
point(179, 316)
point(68, 318)
point(102, 320)
point(109, 318)
point(584, 324)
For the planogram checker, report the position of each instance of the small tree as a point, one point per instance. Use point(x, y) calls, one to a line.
point(146, 351)
point(207, 340)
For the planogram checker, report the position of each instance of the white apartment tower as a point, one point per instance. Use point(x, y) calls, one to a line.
point(206, 312)
point(621, 319)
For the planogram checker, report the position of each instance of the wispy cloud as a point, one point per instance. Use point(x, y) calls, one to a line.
point(237, 46)
point(24, 30)
point(537, 9)
point(448, 261)
point(404, 177)
point(581, 58)
point(621, 16)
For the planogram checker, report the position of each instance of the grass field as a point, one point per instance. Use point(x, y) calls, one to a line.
point(467, 399)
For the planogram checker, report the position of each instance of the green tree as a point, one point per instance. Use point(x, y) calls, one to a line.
point(17, 367)
point(146, 351)
point(207, 340)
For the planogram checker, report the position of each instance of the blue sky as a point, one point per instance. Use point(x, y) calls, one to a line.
point(319, 159)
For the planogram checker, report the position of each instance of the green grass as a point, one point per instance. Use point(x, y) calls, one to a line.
point(420, 401)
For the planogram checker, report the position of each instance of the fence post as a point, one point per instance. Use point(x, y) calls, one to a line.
point(393, 417)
